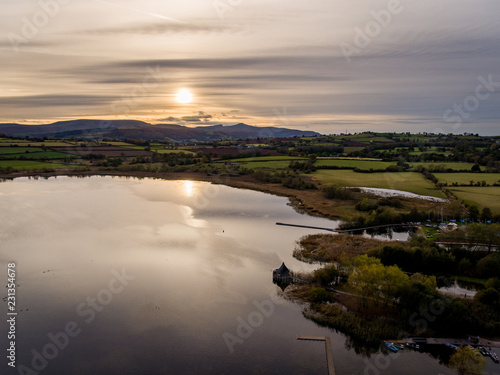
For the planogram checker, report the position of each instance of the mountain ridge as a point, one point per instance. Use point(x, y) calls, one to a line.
point(135, 129)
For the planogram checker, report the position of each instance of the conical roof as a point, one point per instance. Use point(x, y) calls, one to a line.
point(283, 269)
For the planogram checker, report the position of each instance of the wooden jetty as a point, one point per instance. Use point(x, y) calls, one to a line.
point(349, 230)
point(328, 347)
point(455, 341)
point(306, 226)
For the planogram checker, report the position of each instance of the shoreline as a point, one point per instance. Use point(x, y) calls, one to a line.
point(301, 200)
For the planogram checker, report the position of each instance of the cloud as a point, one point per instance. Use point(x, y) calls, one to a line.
point(160, 28)
point(54, 100)
point(200, 117)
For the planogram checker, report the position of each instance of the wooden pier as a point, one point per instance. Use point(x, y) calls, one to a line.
point(349, 230)
point(328, 347)
point(306, 226)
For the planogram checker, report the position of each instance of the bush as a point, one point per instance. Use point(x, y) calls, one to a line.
point(366, 206)
point(333, 192)
point(318, 294)
point(490, 297)
point(325, 276)
point(489, 266)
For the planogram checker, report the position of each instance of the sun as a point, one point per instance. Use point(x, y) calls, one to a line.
point(184, 96)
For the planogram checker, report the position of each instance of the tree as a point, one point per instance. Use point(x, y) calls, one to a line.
point(489, 266)
point(473, 213)
point(493, 283)
point(486, 214)
point(364, 280)
point(393, 279)
point(476, 168)
point(490, 297)
point(467, 361)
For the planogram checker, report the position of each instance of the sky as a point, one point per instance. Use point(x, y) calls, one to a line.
point(325, 65)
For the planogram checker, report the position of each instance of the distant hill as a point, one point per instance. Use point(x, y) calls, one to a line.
point(130, 129)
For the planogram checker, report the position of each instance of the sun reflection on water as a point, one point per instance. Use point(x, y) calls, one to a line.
point(189, 188)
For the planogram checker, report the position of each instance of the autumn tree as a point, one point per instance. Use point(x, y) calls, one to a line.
point(467, 361)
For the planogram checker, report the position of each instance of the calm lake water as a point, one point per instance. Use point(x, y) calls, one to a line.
point(156, 277)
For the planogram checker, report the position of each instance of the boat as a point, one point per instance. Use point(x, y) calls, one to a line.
point(451, 346)
point(494, 356)
point(483, 351)
point(390, 346)
point(398, 345)
point(413, 345)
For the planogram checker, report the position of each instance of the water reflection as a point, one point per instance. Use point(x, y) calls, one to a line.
point(198, 271)
point(189, 188)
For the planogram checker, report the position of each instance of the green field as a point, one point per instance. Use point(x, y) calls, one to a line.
point(24, 143)
point(465, 178)
point(18, 150)
point(482, 196)
point(349, 149)
point(456, 166)
point(277, 164)
point(406, 181)
point(166, 151)
point(268, 158)
point(39, 155)
point(361, 164)
point(32, 165)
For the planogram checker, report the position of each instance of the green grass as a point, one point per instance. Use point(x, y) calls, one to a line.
point(134, 147)
point(350, 149)
point(24, 143)
point(268, 158)
point(40, 155)
point(465, 178)
point(406, 181)
point(124, 144)
point(361, 164)
point(167, 151)
point(481, 196)
point(266, 164)
point(18, 150)
point(456, 166)
point(373, 139)
point(35, 165)
point(469, 279)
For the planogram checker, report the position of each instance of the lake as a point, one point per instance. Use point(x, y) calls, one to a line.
point(142, 276)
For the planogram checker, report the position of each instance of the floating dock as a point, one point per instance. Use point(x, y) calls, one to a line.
point(328, 347)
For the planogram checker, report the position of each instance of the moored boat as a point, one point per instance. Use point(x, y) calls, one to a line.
point(413, 345)
point(390, 346)
point(494, 356)
point(451, 346)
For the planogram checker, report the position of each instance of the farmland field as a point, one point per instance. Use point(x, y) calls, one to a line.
point(465, 178)
point(456, 166)
point(406, 181)
point(18, 150)
point(269, 158)
point(277, 164)
point(24, 143)
point(349, 149)
point(482, 196)
point(167, 151)
point(361, 164)
point(27, 165)
point(39, 155)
